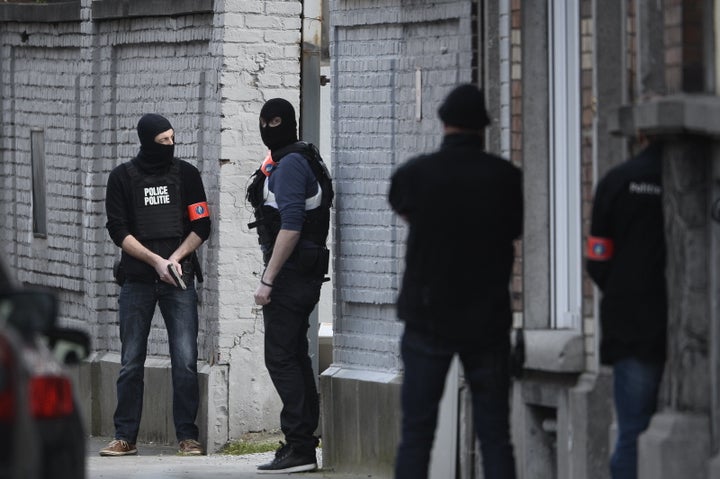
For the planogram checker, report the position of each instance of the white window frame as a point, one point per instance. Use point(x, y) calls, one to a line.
point(565, 165)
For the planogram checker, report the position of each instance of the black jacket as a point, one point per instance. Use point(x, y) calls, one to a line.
point(627, 211)
point(464, 208)
point(121, 217)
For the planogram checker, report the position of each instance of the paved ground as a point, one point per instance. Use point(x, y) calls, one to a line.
point(162, 462)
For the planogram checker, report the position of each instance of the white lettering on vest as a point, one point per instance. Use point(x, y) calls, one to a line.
point(157, 195)
point(645, 188)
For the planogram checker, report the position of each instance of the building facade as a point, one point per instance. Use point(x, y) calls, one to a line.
point(568, 84)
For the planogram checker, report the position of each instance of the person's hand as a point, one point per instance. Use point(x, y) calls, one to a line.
point(262, 294)
point(161, 268)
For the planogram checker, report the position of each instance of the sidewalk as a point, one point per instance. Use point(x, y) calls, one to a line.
point(156, 461)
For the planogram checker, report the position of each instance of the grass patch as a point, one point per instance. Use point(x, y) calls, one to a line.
point(239, 448)
point(253, 443)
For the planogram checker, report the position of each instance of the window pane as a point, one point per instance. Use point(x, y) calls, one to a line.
point(39, 210)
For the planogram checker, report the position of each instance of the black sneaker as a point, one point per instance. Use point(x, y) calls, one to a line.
point(288, 460)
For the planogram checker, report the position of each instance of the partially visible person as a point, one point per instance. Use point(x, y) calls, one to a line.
point(291, 194)
point(157, 212)
point(626, 259)
point(464, 209)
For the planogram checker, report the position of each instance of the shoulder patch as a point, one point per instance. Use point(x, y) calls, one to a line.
point(599, 249)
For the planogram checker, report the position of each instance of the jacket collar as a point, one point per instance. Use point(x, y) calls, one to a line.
point(462, 139)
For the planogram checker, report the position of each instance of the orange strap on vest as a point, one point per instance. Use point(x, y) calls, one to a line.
point(268, 165)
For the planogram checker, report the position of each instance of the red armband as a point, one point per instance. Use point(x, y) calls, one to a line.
point(198, 210)
point(268, 165)
point(600, 249)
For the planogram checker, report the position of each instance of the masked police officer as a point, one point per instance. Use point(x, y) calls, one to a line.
point(157, 213)
point(291, 195)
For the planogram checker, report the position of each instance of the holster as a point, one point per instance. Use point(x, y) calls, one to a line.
point(196, 268)
point(118, 272)
point(313, 261)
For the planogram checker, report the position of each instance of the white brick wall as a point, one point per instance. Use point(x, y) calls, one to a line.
point(261, 54)
point(86, 85)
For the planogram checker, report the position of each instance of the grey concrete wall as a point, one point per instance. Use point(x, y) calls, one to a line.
point(536, 166)
point(361, 420)
point(679, 438)
point(94, 384)
point(609, 83)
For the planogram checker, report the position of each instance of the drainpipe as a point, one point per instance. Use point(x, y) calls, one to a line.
point(310, 119)
point(310, 71)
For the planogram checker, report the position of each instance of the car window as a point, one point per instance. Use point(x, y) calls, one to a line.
point(28, 310)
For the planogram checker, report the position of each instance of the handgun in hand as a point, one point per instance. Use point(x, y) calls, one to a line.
point(176, 277)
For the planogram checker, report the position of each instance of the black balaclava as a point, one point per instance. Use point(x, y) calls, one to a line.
point(276, 137)
point(464, 107)
point(153, 157)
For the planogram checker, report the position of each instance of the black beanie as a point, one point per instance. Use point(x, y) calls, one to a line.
point(464, 107)
point(283, 134)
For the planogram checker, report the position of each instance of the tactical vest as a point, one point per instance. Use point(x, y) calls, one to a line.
point(267, 218)
point(157, 203)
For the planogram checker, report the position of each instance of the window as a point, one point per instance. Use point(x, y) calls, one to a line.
point(39, 193)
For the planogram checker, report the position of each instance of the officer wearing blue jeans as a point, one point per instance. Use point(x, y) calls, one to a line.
point(157, 213)
point(464, 209)
point(626, 259)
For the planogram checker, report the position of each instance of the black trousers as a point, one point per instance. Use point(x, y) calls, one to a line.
point(286, 320)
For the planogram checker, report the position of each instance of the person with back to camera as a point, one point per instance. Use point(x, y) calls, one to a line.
point(626, 259)
point(291, 195)
point(464, 209)
point(157, 213)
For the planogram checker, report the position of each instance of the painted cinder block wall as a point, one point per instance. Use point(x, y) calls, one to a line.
point(80, 75)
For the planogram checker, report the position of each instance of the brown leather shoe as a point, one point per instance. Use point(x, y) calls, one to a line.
point(118, 447)
point(190, 447)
